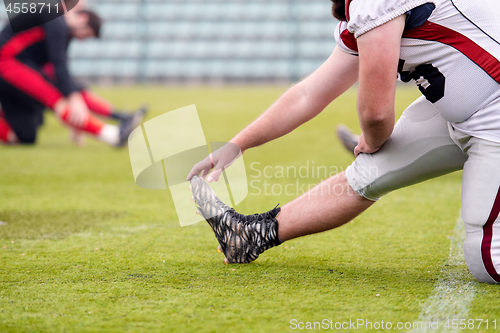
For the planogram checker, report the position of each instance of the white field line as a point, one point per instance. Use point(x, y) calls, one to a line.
point(454, 291)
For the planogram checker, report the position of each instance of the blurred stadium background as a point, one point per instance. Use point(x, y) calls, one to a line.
point(83, 249)
point(195, 41)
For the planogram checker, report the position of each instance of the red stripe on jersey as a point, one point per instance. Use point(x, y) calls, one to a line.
point(29, 81)
point(435, 32)
point(349, 40)
point(23, 77)
point(347, 3)
point(347, 37)
point(21, 41)
point(488, 237)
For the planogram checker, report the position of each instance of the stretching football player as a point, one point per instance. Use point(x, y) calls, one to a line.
point(34, 75)
point(95, 103)
point(451, 48)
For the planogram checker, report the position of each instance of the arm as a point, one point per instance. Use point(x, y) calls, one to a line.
point(73, 107)
point(56, 42)
point(298, 105)
point(378, 62)
point(303, 101)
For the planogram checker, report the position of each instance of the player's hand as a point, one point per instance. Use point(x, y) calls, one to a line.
point(78, 110)
point(219, 160)
point(363, 147)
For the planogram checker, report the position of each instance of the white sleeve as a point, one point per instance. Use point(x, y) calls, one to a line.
point(365, 15)
point(344, 38)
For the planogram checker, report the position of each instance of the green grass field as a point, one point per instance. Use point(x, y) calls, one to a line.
point(86, 250)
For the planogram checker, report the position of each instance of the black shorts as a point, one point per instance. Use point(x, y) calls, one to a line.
point(23, 113)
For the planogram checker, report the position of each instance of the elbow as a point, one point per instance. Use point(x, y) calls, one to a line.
point(377, 117)
point(380, 120)
point(377, 127)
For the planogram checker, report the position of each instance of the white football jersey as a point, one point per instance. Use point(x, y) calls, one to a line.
point(453, 55)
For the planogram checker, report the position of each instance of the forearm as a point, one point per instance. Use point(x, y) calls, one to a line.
point(376, 105)
point(377, 131)
point(65, 82)
point(376, 112)
point(379, 51)
point(286, 114)
point(57, 34)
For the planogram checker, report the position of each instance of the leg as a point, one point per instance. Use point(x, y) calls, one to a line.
point(328, 205)
point(419, 148)
point(481, 207)
point(7, 135)
point(24, 122)
point(102, 107)
point(110, 134)
point(97, 105)
point(21, 116)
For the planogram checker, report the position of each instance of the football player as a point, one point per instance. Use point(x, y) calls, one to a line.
point(451, 49)
point(34, 75)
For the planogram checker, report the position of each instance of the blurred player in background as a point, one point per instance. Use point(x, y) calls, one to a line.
point(451, 49)
point(34, 75)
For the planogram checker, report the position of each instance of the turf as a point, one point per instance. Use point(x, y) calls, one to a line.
point(83, 249)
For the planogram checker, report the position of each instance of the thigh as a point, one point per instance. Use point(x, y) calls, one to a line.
point(24, 114)
point(419, 148)
point(481, 208)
